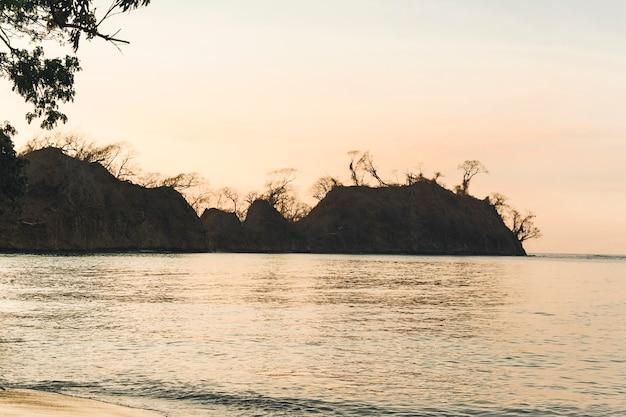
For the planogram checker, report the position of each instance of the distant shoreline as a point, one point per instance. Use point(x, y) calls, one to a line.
point(590, 256)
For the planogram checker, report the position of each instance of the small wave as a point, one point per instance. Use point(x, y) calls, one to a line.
point(183, 401)
point(580, 256)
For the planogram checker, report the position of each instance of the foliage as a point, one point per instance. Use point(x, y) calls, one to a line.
point(281, 194)
point(522, 226)
point(470, 169)
point(26, 25)
point(413, 178)
point(362, 164)
point(354, 176)
point(498, 201)
point(367, 164)
point(229, 199)
point(193, 187)
point(117, 158)
point(323, 186)
point(12, 178)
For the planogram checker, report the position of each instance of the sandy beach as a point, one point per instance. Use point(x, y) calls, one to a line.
point(28, 403)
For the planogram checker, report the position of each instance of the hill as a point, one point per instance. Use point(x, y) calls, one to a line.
point(72, 205)
point(423, 218)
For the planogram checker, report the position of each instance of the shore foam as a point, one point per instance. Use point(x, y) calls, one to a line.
point(28, 403)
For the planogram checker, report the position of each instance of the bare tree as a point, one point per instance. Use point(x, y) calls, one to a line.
point(117, 157)
point(279, 185)
point(150, 179)
point(231, 195)
point(281, 194)
point(193, 187)
point(294, 209)
point(362, 164)
point(182, 181)
point(523, 226)
point(323, 186)
point(470, 168)
point(36, 144)
point(412, 177)
point(229, 199)
point(252, 196)
point(179, 182)
point(199, 198)
point(366, 163)
point(354, 175)
point(498, 201)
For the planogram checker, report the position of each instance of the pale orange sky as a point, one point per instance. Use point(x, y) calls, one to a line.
point(233, 90)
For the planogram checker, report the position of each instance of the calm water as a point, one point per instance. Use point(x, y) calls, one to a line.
point(300, 335)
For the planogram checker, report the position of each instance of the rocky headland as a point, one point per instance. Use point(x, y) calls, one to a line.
point(73, 205)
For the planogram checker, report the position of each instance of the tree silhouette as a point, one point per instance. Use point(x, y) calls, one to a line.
point(361, 164)
point(117, 157)
point(354, 168)
point(367, 164)
point(323, 186)
point(25, 28)
point(522, 226)
point(470, 169)
point(281, 194)
point(12, 178)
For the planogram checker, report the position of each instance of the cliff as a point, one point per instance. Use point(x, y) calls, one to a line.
point(263, 230)
point(224, 231)
point(72, 205)
point(423, 218)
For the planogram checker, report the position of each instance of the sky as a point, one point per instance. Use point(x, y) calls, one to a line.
point(534, 89)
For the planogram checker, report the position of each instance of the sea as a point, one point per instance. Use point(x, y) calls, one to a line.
point(319, 335)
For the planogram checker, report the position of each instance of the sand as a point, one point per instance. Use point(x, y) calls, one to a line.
point(27, 403)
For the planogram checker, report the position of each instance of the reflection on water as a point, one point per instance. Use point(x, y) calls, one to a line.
point(235, 334)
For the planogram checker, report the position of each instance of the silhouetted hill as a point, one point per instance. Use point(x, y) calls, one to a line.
point(423, 218)
point(224, 230)
point(72, 205)
point(266, 230)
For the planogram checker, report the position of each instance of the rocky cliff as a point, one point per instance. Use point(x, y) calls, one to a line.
point(72, 205)
point(423, 218)
point(224, 231)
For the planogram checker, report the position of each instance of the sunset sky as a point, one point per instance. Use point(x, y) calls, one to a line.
point(535, 89)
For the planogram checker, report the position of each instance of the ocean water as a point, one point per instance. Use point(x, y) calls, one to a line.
point(319, 335)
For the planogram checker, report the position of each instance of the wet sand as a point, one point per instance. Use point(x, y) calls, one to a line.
point(27, 403)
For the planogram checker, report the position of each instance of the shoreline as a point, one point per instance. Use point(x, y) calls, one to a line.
point(31, 403)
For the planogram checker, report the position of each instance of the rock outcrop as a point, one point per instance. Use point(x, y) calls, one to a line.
point(266, 230)
point(224, 231)
point(423, 218)
point(72, 205)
